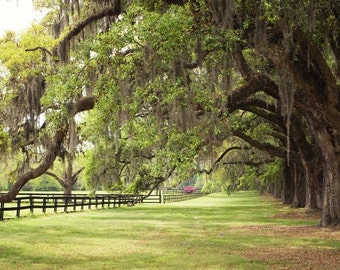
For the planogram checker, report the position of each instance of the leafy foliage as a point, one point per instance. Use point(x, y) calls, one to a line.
point(170, 84)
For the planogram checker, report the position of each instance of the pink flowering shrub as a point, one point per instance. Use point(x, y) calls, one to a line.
point(189, 189)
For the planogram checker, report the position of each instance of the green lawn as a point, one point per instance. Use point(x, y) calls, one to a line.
point(242, 231)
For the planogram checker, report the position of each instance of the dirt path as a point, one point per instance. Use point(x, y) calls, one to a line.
point(291, 258)
point(296, 258)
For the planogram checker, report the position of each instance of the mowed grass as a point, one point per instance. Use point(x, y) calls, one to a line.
point(241, 231)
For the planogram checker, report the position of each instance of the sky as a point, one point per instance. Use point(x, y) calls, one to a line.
point(16, 15)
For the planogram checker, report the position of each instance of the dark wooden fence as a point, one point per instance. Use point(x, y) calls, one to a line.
point(55, 202)
point(177, 197)
point(59, 203)
point(173, 197)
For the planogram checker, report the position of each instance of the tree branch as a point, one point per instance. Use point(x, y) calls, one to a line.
point(39, 48)
point(60, 181)
point(267, 147)
point(248, 162)
point(218, 160)
point(76, 175)
point(241, 64)
point(63, 45)
point(46, 163)
point(83, 104)
point(159, 180)
point(252, 86)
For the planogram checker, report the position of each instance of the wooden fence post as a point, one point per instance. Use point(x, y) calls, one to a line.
point(75, 203)
point(18, 207)
point(2, 206)
point(82, 203)
point(31, 204)
point(55, 204)
point(44, 205)
point(114, 201)
point(96, 202)
point(66, 205)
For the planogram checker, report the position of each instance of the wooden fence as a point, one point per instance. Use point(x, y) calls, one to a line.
point(177, 197)
point(33, 203)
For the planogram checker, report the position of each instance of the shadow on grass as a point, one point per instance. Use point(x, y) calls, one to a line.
point(212, 232)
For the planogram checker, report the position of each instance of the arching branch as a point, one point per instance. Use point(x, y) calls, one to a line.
point(249, 162)
point(267, 147)
point(83, 104)
point(218, 160)
point(56, 177)
point(266, 111)
point(252, 86)
point(45, 164)
point(241, 64)
point(160, 180)
point(76, 175)
point(63, 46)
point(39, 48)
point(112, 11)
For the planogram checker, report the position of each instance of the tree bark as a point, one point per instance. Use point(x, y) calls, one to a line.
point(40, 170)
point(288, 185)
point(64, 45)
point(331, 171)
point(83, 104)
point(311, 192)
point(299, 191)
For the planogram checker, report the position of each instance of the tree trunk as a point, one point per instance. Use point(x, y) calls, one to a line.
point(311, 190)
point(38, 171)
point(68, 189)
point(68, 176)
point(288, 185)
point(299, 197)
point(331, 198)
point(319, 189)
point(331, 171)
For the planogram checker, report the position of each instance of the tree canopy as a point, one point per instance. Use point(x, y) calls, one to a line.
point(245, 91)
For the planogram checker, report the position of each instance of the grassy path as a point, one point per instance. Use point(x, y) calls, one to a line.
point(242, 231)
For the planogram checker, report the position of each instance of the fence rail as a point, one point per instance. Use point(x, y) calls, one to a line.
point(169, 198)
point(61, 203)
point(32, 203)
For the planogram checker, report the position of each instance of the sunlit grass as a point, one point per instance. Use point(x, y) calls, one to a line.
point(212, 232)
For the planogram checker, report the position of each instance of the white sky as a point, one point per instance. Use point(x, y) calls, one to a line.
point(16, 15)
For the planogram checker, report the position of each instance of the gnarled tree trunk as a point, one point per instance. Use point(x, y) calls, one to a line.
point(331, 171)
